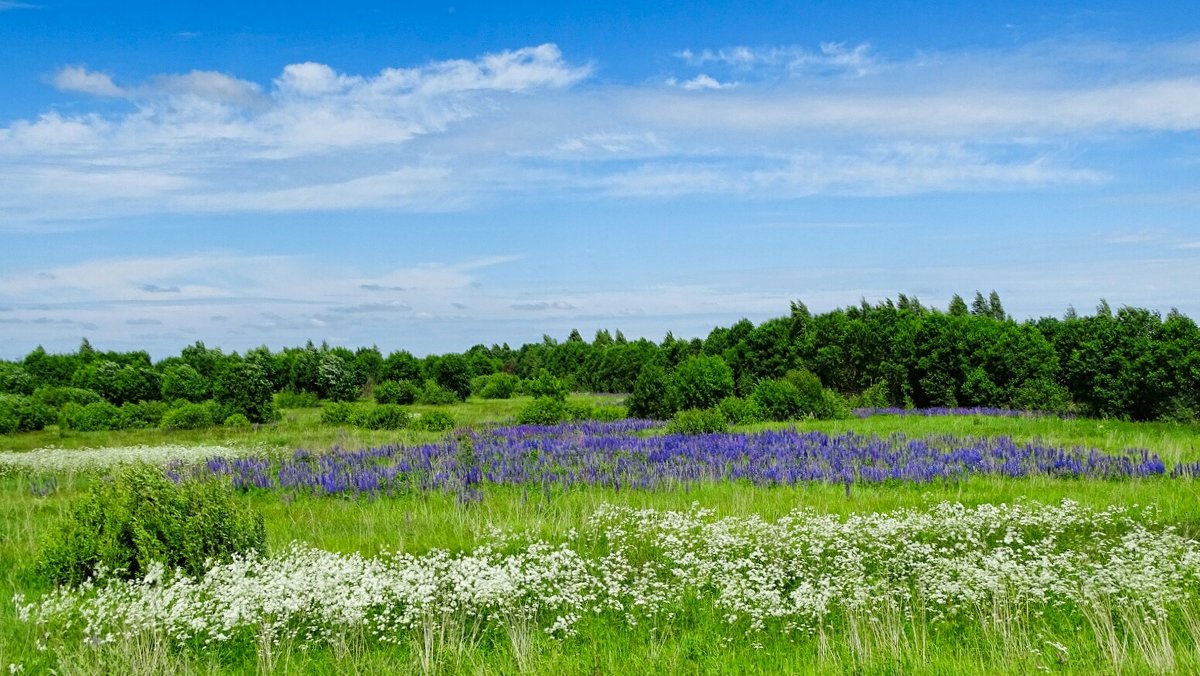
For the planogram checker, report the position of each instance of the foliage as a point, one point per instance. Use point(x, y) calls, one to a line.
point(546, 385)
point(494, 386)
point(290, 399)
point(703, 381)
point(778, 400)
point(58, 396)
point(739, 411)
point(609, 413)
point(452, 372)
point(139, 519)
point(434, 394)
point(143, 414)
point(236, 420)
point(243, 387)
point(338, 413)
point(336, 380)
point(433, 421)
point(382, 417)
point(181, 381)
point(19, 413)
point(396, 392)
point(189, 416)
point(543, 411)
point(94, 417)
point(14, 379)
point(653, 397)
point(698, 421)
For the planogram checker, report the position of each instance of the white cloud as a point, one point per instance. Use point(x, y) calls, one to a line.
point(703, 81)
point(80, 79)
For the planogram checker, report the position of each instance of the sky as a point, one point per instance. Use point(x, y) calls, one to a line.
point(433, 177)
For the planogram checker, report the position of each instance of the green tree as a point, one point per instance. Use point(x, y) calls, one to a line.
point(652, 396)
point(703, 381)
point(242, 387)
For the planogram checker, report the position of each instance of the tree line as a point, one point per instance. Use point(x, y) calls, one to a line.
point(1130, 363)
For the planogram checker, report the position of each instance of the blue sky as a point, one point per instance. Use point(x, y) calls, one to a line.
point(434, 177)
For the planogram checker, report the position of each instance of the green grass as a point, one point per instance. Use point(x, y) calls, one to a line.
point(693, 644)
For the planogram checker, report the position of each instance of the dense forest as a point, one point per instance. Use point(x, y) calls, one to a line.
point(1132, 363)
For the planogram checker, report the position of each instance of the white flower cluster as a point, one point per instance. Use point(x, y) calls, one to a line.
point(55, 459)
point(948, 564)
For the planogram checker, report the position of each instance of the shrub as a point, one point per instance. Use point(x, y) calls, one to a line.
point(740, 411)
point(181, 381)
point(24, 414)
point(141, 517)
point(14, 379)
point(543, 411)
point(396, 392)
point(578, 410)
point(143, 415)
point(188, 416)
point(243, 387)
point(703, 381)
point(778, 400)
point(290, 399)
point(833, 406)
point(548, 386)
point(609, 413)
point(57, 397)
point(383, 417)
point(433, 421)
point(340, 413)
point(875, 396)
point(94, 417)
point(237, 420)
point(652, 396)
point(436, 395)
point(698, 421)
point(495, 386)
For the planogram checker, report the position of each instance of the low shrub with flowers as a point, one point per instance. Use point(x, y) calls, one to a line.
point(946, 567)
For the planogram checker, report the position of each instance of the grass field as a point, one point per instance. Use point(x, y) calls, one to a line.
point(687, 630)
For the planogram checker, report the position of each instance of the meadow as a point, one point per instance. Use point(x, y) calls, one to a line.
point(978, 543)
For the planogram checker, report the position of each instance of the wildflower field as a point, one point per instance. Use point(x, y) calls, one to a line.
point(948, 542)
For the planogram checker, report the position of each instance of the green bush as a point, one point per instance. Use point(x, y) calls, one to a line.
point(243, 387)
point(143, 415)
point(433, 421)
point(396, 392)
point(237, 420)
point(653, 396)
point(94, 417)
point(289, 399)
point(547, 386)
point(543, 411)
point(383, 417)
point(436, 395)
point(609, 413)
point(141, 517)
point(57, 397)
point(778, 400)
point(24, 414)
point(494, 386)
point(339, 413)
point(740, 411)
point(875, 396)
point(698, 421)
point(703, 381)
point(188, 416)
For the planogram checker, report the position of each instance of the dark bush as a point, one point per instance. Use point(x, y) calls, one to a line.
point(143, 415)
point(778, 400)
point(180, 381)
point(740, 411)
point(57, 397)
point(188, 416)
point(653, 396)
point(95, 417)
point(436, 395)
point(243, 387)
point(290, 399)
point(698, 421)
point(383, 417)
point(141, 517)
point(396, 392)
point(546, 385)
point(495, 386)
point(543, 411)
point(433, 421)
point(703, 381)
point(24, 414)
point(339, 413)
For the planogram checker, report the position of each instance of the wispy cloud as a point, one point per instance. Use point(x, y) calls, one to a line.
point(529, 122)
